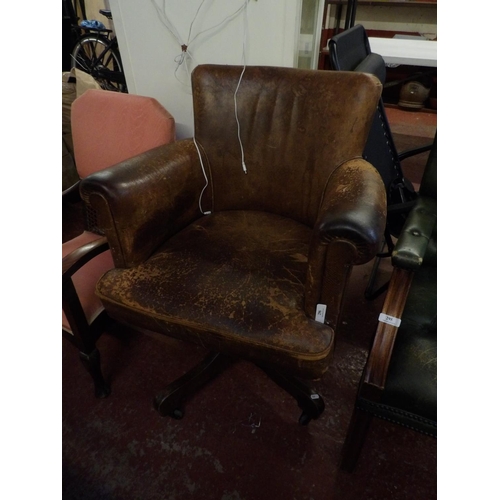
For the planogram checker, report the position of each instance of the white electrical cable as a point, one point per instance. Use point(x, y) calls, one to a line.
point(182, 58)
point(245, 32)
point(207, 212)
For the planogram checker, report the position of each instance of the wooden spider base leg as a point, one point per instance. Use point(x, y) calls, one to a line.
point(356, 434)
point(170, 401)
point(309, 401)
point(92, 363)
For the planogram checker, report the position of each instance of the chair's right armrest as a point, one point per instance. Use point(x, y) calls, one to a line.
point(80, 256)
point(142, 201)
point(349, 231)
point(72, 193)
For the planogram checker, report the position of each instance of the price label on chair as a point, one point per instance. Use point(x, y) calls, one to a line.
point(390, 320)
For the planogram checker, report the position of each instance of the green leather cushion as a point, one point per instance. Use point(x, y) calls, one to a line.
point(411, 383)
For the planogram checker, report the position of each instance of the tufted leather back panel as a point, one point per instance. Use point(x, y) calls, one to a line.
point(293, 131)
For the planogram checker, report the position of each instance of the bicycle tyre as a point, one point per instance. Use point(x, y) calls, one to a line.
point(95, 54)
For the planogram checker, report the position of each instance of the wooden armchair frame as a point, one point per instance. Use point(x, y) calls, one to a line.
point(83, 334)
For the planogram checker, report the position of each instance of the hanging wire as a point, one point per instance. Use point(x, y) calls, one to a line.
point(243, 59)
point(182, 59)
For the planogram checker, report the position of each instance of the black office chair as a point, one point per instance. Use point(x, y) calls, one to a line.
point(350, 51)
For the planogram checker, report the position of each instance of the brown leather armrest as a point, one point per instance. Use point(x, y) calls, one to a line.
point(349, 230)
point(142, 201)
point(354, 209)
point(80, 256)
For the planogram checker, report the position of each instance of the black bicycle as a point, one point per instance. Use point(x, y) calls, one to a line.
point(96, 53)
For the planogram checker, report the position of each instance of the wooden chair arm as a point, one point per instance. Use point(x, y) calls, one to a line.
point(72, 193)
point(385, 336)
point(80, 256)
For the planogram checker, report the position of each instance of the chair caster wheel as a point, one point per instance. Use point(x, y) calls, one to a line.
point(102, 392)
point(305, 418)
point(177, 414)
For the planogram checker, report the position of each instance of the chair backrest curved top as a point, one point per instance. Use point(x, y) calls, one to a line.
point(110, 127)
point(350, 51)
point(296, 126)
point(349, 48)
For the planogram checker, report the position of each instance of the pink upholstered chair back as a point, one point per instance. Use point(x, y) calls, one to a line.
point(109, 127)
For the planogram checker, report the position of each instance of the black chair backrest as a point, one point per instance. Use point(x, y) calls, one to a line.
point(428, 185)
point(349, 48)
point(350, 51)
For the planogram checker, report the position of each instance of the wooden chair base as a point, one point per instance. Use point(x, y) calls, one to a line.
point(170, 402)
point(309, 401)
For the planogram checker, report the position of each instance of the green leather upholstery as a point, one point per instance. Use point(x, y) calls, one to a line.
point(406, 393)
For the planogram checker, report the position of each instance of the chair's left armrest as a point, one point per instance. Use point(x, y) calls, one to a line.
point(379, 357)
point(349, 231)
point(412, 243)
point(407, 257)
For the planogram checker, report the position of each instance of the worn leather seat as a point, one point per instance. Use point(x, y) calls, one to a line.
point(399, 383)
point(238, 262)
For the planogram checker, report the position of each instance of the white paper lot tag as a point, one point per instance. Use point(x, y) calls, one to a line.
point(320, 313)
point(390, 320)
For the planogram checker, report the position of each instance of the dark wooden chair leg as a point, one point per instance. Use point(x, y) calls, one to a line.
point(170, 401)
point(309, 401)
point(92, 363)
point(356, 435)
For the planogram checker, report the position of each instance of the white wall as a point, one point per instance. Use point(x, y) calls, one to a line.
point(148, 49)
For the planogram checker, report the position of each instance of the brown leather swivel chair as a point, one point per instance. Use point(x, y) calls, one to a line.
point(107, 127)
point(399, 383)
point(238, 262)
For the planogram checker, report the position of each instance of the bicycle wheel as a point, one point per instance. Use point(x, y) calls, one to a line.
point(98, 56)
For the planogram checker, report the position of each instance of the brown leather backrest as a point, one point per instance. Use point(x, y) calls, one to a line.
point(296, 127)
